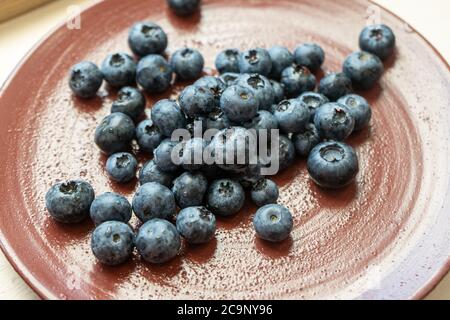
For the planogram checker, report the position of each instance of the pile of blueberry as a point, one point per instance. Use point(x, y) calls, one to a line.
point(256, 89)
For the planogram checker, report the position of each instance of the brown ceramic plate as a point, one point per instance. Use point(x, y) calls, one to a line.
point(385, 236)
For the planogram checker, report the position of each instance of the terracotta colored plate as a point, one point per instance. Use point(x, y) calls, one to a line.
point(386, 236)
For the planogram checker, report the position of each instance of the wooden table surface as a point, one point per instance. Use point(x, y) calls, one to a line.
point(17, 36)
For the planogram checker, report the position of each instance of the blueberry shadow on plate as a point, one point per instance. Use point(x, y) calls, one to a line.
point(274, 250)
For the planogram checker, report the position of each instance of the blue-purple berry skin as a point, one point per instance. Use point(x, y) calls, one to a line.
point(196, 224)
point(119, 69)
point(363, 68)
point(359, 109)
point(151, 173)
point(281, 59)
point(163, 156)
point(146, 38)
point(114, 133)
point(228, 61)
point(332, 164)
point(273, 222)
point(296, 80)
point(261, 88)
point(306, 140)
point(225, 197)
point(130, 101)
point(335, 85)
point(196, 101)
point(334, 121)
point(167, 116)
point(264, 192)
point(312, 100)
point(187, 63)
point(154, 73)
point(148, 136)
point(121, 167)
point(184, 7)
point(309, 55)
point(377, 39)
point(255, 60)
point(239, 104)
point(292, 116)
point(189, 189)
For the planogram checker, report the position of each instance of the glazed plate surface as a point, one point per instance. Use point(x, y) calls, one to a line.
point(385, 236)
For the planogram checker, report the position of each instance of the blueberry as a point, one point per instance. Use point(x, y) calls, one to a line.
point(278, 91)
point(119, 69)
point(196, 224)
point(196, 125)
point(130, 101)
point(121, 167)
point(154, 73)
point(335, 85)
point(147, 38)
point(151, 173)
point(363, 68)
point(187, 63)
point(228, 61)
point(195, 100)
point(281, 59)
point(153, 200)
point(163, 156)
point(332, 164)
point(225, 197)
point(273, 222)
point(255, 61)
point(306, 140)
point(296, 80)
point(312, 100)
point(110, 206)
point(167, 116)
point(189, 189)
point(114, 133)
point(85, 79)
point(261, 88)
point(377, 39)
point(69, 201)
point(309, 55)
point(264, 120)
point(112, 242)
point(334, 121)
point(286, 153)
point(229, 78)
point(359, 108)
point(148, 136)
point(192, 154)
point(292, 115)
point(239, 104)
point(217, 120)
point(184, 7)
point(230, 148)
point(158, 241)
point(264, 191)
point(213, 84)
